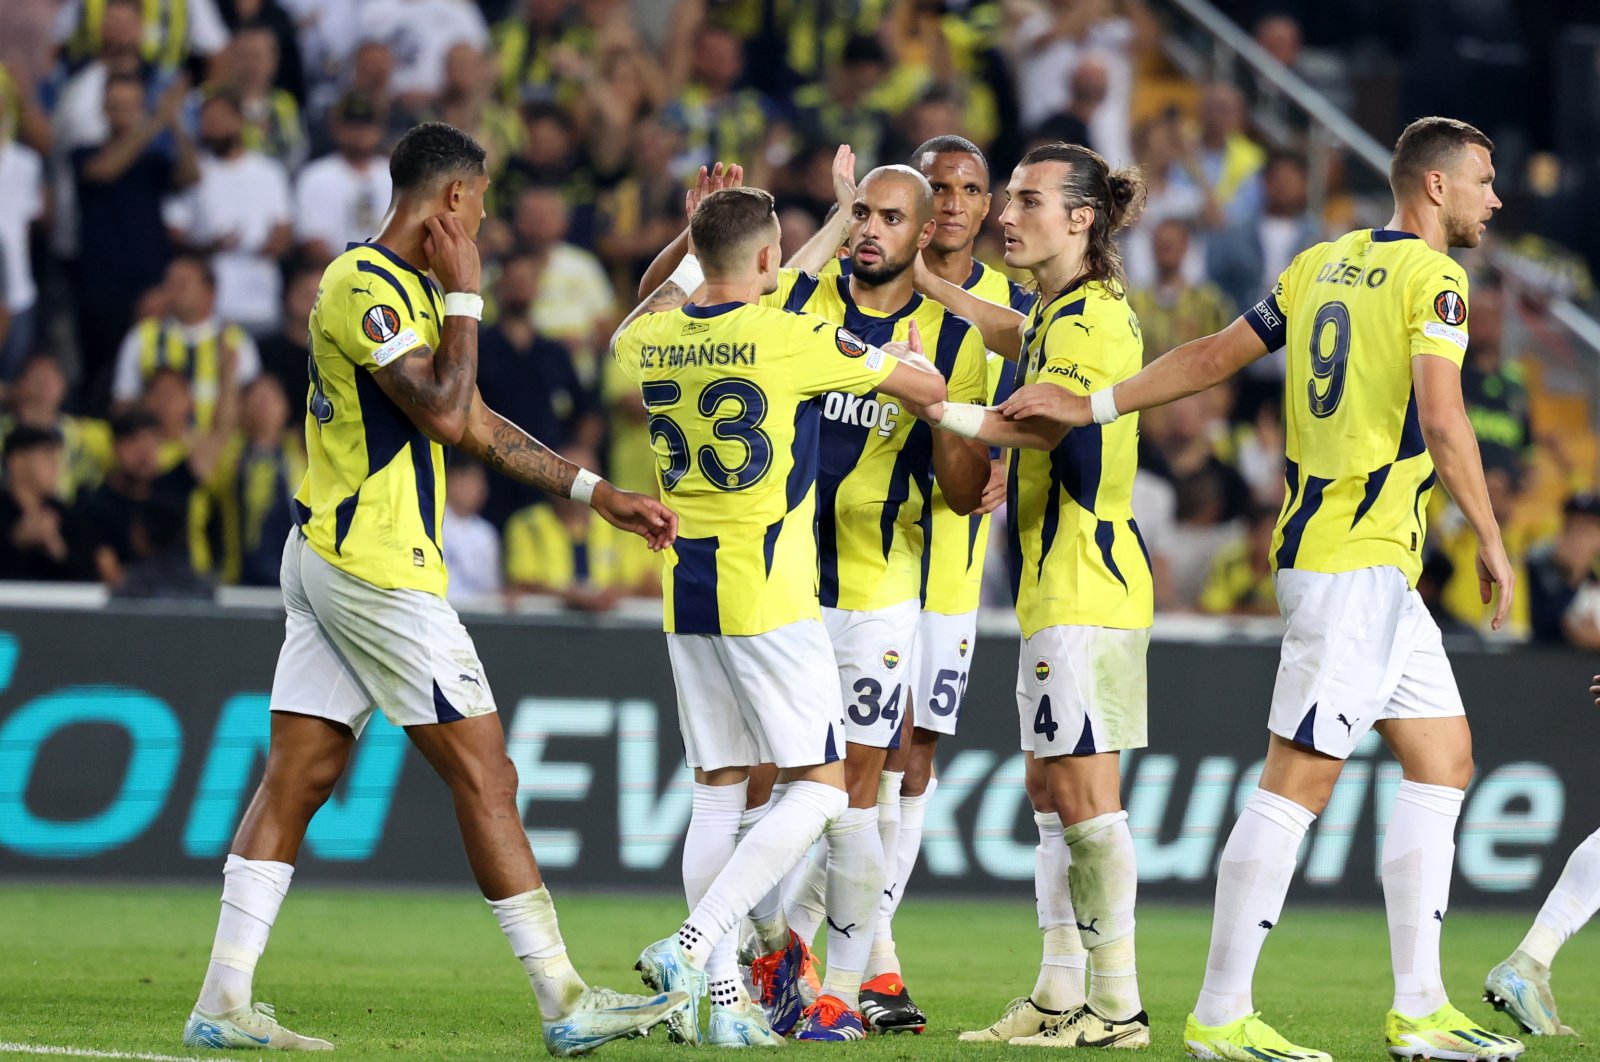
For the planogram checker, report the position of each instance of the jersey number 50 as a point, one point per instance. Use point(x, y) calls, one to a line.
point(749, 408)
point(1328, 368)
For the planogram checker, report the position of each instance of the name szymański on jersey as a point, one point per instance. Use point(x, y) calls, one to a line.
point(694, 355)
point(1071, 372)
point(1343, 272)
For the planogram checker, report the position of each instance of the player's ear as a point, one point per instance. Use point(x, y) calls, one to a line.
point(1433, 182)
point(1080, 218)
point(764, 255)
point(927, 233)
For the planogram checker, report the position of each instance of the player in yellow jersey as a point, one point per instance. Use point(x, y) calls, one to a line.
point(1375, 327)
point(736, 391)
point(1082, 584)
point(393, 370)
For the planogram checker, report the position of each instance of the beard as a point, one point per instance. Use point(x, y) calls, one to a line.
point(882, 271)
point(1462, 231)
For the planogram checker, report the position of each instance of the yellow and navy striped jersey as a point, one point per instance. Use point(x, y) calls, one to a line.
point(733, 391)
point(1076, 554)
point(876, 472)
point(373, 496)
point(1352, 314)
point(162, 344)
point(952, 562)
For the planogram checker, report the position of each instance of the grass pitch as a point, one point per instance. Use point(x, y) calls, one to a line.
point(116, 969)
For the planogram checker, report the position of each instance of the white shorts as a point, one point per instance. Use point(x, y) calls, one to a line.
point(350, 647)
point(759, 698)
point(942, 660)
point(874, 651)
point(1082, 690)
point(1361, 647)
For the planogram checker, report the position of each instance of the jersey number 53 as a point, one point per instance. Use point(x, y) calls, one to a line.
point(735, 407)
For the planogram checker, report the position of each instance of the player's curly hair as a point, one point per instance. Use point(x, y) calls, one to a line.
point(1117, 197)
point(431, 153)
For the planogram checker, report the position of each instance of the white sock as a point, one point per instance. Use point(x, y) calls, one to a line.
point(1570, 904)
point(707, 847)
point(1105, 884)
point(766, 917)
point(805, 893)
point(1419, 853)
point(882, 958)
point(529, 922)
point(252, 892)
point(855, 885)
point(1060, 985)
point(759, 862)
point(1253, 878)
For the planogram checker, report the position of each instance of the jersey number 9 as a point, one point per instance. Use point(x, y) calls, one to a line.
point(1328, 368)
point(748, 404)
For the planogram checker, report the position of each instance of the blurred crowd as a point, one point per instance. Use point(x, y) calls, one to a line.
point(175, 174)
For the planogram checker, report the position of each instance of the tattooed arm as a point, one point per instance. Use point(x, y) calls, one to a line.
point(669, 296)
point(434, 388)
point(512, 452)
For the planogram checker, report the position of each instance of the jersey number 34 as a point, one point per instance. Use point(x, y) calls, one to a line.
point(735, 408)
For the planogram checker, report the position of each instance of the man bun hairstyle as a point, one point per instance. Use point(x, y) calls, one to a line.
point(726, 221)
point(1117, 197)
point(1430, 144)
point(432, 153)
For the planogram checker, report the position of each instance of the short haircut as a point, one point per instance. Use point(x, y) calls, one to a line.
point(909, 174)
point(726, 221)
point(131, 423)
point(1430, 144)
point(948, 144)
point(432, 153)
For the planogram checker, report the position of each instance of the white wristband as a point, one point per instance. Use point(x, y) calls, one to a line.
point(688, 276)
point(463, 304)
point(583, 485)
point(963, 419)
point(1103, 406)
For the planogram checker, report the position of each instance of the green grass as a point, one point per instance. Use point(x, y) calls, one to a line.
point(429, 975)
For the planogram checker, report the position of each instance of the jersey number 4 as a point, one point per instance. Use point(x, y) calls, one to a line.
point(748, 404)
point(1328, 361)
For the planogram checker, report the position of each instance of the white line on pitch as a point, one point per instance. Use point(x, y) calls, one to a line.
point(83, 1052)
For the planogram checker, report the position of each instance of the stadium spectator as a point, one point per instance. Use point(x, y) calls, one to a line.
point(1563, 589)
point(1456, 541)
point(1240, 580)
point(192, 338)
point(41, 538)
point(1050, 43)
point(1493, 389)
point(716, 118)
point(467, 102)
point(1282, 37)
point(278, 19)
point(530, 380)
point(272, 121)
point(536, 46)
point(1076, 123)
point(1172, 310)
point(575, 303)
point(849, 108)
point(1246, 257)
point(238, 212)
point(123, 247)
point(35, 399)
point(1230, 160)
point(1176, 190)
point(79, 118)
point(341, 198)
point(176, 30)
point(285, 353)
point(247, 497)
point(420, 33)
point(642, 212)
point(552, 157)
point(21, 205)
point(561, 549)
point(471, 543)
point(368, 71)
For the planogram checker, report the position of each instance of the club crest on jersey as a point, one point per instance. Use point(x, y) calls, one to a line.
point(963, 647)
point(1450, 306)
point(1041, 671)
point(380, 324)
point(849, 345)
point(890, 659)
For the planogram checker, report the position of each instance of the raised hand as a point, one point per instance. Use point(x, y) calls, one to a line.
point(844, 179)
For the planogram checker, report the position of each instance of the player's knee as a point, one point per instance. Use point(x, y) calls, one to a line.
point(1038, 789)
point(490, 782)
point(307, 783)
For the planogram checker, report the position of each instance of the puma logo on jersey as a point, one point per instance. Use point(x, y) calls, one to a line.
point(1090, 927)
point(862, 412)
point(1349, 727)
point(837, 928)
point(367, 291)
point(1087, 330)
